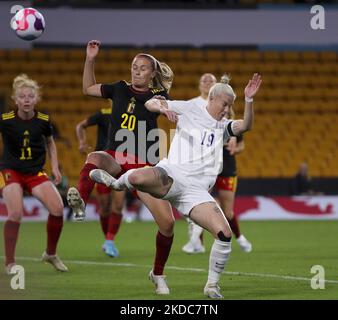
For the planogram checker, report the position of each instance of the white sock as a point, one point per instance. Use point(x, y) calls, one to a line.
point(190, 226)
point(196, 233)
point(219, 256)
point(123, 181)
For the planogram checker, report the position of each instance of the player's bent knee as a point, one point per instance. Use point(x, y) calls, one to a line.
point(15, 216)
point(224, 236)
point(56, 209)
point(136, 178)
point(93, 158)
point(117, 209)
point(167, 227)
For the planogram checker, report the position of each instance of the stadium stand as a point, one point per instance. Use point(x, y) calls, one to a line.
point(297, 104)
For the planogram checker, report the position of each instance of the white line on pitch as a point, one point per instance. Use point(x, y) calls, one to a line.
point(132, 265)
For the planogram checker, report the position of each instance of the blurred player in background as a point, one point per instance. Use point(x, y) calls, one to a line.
point(194, 160)
point(26, 135)
point(149, 77)
point(110, 203)
point(226, 182)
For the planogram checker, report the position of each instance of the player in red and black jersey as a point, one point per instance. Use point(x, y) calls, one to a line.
point(110, 202)
point(226, 182)
point(26, 134)
point(133, 141)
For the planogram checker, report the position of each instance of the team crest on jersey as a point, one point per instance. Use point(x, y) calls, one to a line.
point(25, 139)
point(131, 105)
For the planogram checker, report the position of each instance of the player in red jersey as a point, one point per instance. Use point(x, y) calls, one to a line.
point(133, 142)
point(26, 135)
point(226, 182)
point(110, 203)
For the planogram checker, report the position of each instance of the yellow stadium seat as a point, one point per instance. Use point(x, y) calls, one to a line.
point(57, 54)
point(326, 56)
point(194, 55)
point(274, 56)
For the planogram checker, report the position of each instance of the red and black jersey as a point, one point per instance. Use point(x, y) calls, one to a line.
point(24, 142)
point(229, 162)
point(131, 122)
point(101, 119)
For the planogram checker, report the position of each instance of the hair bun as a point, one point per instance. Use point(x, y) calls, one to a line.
point(225, 79)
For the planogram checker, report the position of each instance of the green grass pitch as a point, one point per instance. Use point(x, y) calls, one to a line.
point(279, 267)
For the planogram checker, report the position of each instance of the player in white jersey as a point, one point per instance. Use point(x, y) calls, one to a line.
point(226, 193)
point(194, 161)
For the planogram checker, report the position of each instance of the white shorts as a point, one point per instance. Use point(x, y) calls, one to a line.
point(186, 192)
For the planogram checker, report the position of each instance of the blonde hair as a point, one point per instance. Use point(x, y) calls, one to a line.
point(222, 87)
point(22, 81)
point(164, 76)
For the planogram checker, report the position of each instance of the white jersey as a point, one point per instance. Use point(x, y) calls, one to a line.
point(201, 102)
point(197, 147)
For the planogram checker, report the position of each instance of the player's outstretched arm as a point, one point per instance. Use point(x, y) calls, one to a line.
point(160, 105)
point(241, 126)
point(89, 85)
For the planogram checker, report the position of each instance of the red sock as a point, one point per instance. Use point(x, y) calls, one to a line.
point(11, 232)
point(163, 246)
point(113, 225)
point(235, 227)
point(86, 185)
point(54, 228)
point(104, 224)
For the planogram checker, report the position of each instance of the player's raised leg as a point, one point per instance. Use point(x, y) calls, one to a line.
point(77, 198)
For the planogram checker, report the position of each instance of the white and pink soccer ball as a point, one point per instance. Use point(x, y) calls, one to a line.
point(28, 24)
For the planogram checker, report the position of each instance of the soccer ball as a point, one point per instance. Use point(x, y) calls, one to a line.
point(28, 24)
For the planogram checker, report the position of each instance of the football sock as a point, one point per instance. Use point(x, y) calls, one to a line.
point(122, 183)
point(11, 232)
point(163, 246)
point(86, 185)
point(219, 256)
point(113, 225)
point(196, 233)
point(54, 228)
point(104, 224)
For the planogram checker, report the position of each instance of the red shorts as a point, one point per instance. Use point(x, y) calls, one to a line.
point(102, 189)
point(226, 183)
point(127, 161)
point(27, 181)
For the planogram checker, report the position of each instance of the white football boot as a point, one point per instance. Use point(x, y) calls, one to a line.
point(55, 261)
point(103, 177)
point(161, 286)
point(193, 247)
point(213, 291)
point(244, 244)
point(76, 203)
